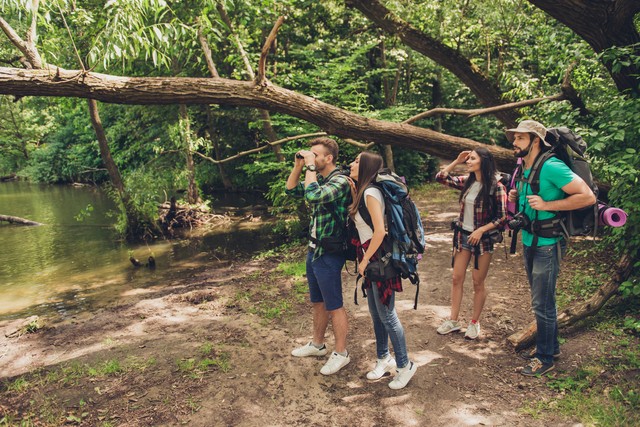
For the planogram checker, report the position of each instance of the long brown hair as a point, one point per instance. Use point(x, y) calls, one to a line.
point(368, 166)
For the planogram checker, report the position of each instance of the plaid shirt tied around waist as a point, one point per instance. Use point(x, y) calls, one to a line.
point(386, 288)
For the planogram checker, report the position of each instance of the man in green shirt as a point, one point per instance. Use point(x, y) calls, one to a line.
point(328, 193)
point(560, 190)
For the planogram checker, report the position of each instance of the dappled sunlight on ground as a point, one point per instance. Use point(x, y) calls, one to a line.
point(424, 357)
point(461, 414)
point(439, 238)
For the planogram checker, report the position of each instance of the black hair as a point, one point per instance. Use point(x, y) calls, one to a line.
point(488, 170)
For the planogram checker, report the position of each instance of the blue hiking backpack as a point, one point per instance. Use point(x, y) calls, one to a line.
point(404, 243)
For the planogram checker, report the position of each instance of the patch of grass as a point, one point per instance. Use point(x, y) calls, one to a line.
point(106, 368)
point(19, 385)
point(580, 287)
point(601, 393)
point(205, 349)
point(209, 357)
point(32, 327)
point(274, 309)
point(287, 250)
point(12, 421)
point(193, 404)
point(295, 269)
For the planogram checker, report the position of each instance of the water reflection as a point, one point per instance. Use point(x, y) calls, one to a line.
point(68, 266)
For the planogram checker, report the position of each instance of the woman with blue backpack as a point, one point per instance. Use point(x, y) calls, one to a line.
point(482, 215)
point(368, 199)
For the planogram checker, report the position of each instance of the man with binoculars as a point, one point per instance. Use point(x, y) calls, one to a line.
point(328, 193)
point(560, 190)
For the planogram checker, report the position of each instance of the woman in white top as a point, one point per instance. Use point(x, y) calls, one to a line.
point(482, 209)
point(381, 295)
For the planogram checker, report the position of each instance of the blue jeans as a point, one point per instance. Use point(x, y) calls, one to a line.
point(387, 325)
point(325, 279)
point(542, 280)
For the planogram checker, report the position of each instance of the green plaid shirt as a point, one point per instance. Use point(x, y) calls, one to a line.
point(332, 193)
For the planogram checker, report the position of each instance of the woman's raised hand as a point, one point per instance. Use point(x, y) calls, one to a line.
point(463, 156)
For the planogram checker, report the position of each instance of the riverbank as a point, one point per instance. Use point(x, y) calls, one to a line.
point(212, 348)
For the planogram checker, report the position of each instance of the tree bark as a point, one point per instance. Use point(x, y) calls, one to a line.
point(185, 128)
point(571, 315)
point(480, 85)
point(175, 90)
point(105, 153)
point(18, 220)
point(602, 24)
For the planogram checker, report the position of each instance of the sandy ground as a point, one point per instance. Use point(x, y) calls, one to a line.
point(214, 314)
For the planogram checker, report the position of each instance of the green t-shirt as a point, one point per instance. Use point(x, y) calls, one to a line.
point(554, 175)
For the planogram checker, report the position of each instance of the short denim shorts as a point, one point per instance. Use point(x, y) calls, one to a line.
point(464, 244)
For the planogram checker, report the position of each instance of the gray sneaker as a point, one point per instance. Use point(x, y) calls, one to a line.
point(473, 330)
point(309, 350)
point(448, 326)
point(335, 363)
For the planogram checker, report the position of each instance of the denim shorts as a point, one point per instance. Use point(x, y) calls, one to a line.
point(464, 244)
point(325, 279)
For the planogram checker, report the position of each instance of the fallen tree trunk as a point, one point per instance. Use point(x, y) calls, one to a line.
point(571, 315)
point(18, 220)
point(191, 90)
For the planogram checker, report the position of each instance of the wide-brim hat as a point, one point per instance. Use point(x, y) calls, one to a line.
point(529, 126)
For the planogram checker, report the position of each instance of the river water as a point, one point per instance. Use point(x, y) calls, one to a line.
point(74, 262)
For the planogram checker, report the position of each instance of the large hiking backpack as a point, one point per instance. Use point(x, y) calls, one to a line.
point(404, 243)
point(570, 148)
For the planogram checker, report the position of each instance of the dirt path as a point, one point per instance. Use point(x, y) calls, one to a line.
point(202, 352)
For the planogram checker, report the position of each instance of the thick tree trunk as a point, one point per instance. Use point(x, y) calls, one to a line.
point(480, 85)
point(17, 220)
point(602, 24)
point(388, 157)
point(175, 90)
point(571, 315)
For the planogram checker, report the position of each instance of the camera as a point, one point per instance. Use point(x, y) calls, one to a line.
point(519, 221)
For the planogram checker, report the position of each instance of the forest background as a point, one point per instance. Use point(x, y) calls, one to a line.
point(416, 79)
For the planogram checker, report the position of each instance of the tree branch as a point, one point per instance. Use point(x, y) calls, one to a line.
point(28, 49)
point(261, 148)
point(207, 53)
point(225, 18)
point(480, 84)
point(483, 111)
point(176, 90)
point(262, 65)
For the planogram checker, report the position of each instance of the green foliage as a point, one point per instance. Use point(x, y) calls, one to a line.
point(295, 269)
point(84, 213)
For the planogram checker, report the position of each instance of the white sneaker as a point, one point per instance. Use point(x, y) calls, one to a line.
point(335, 363)
point(309, 350)
point(448, 326)
point(403, 376)
point(383, 366)
point(473, 330)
